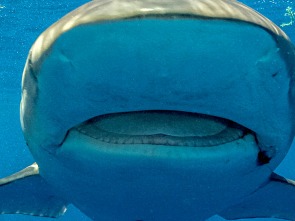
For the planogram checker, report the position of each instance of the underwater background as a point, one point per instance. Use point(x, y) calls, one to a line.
point(21, 22)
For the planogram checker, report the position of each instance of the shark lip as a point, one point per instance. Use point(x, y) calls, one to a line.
point(168, 128)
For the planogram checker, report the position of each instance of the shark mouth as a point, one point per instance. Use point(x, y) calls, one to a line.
point(168, 128)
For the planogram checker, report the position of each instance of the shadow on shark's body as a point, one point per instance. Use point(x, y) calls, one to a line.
point(157, 110)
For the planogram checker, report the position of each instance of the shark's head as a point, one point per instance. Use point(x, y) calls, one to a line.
point(164, 73)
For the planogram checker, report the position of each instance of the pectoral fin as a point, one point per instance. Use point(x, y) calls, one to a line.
point(275, 200)
point(26, 192)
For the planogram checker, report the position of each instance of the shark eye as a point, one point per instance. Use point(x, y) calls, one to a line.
point(168, 128)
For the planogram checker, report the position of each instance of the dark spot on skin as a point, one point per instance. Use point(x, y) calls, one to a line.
point(263, 158)
point(275, 74)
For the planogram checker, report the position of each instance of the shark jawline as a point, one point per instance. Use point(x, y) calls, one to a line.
point(139, 128)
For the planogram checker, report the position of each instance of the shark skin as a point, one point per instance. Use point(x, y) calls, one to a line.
point(157, 110)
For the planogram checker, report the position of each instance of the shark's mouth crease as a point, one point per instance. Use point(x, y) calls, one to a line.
point(168, 128)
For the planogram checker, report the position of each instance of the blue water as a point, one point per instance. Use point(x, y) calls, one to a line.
point(21, 22)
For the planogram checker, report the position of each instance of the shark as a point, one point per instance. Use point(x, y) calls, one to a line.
point(157, 110)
